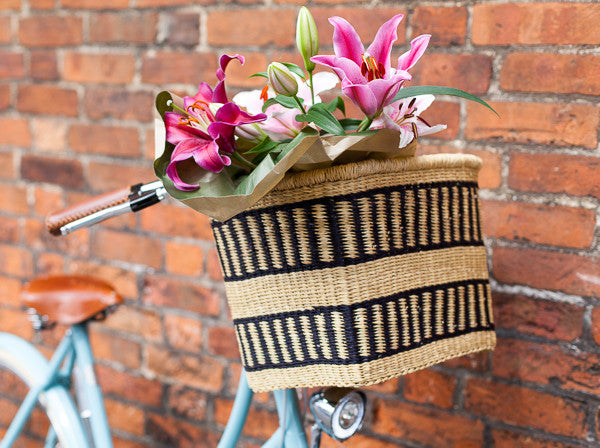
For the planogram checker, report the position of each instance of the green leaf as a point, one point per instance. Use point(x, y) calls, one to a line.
point(295, 69)
point(337, 103)
point(265, 145)
point(409, 92)
point(285, 101)
point(320, 116)
point(350, 124)
point(263, 74)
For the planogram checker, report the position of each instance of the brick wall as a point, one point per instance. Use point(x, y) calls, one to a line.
point(77, 82)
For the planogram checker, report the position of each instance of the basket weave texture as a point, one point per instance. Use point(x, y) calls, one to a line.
point(358, 273)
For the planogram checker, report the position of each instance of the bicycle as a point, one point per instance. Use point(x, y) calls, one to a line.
point(79, 420)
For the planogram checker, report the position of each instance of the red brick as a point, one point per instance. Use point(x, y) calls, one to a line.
point(507, 439)
point(106, 140)
point(260, 423)
point(14, 199)
point(183, 332)
point(95, 4)
point(570, 273)
point(111, 347)
point(75, 244)
point(526, 407)
point(536, 23)
point(360, 441)
point(140, 322)
point(5, 97)
point(462, 71)
point(124, 417)
point(443, 112)
point(447, 26)
point(123, 280)
point(184, 259)
point(6, 34)
point(555, 73)
point(177, 433)
point(546, 364)
point(158, 3)
point(555, 173)
point(187, 403)
point(16, 261)
point(19, 134)
point(128, 386)
point(213, 265)
point(47, 99)
point(15, 322)
point(425, 426)
point(389, 386)
point(533, 123)
point(172, 220)
point(111, 176)
point(123, 27)
point(163, 291)
point(47, 199)
point(195, 371)
point(552, 225)
point(222, 342)
point(11, 65)
point(366, 23)
point(67, 173)
point(430, 387)
point(490, 175)
point(477, 362)
point(7, 164)
point(99, 68)
point(104, 102)
point(49, 264)
point(10, 4)
point(180, 28)
point(41, 4)
point(44, 66)
point(175, 67)
point(49, 134)
point(9, 229)
point(552, 320)
point(238, 75)
point(240, 27)
point(51, 31)
point(128, 247)
point(10, 288)
point(127, 443)
point(596, 325)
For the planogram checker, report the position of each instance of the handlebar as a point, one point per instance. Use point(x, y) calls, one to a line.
point(108, 205)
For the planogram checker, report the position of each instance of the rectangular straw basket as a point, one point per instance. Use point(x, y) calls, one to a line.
point(358, 273)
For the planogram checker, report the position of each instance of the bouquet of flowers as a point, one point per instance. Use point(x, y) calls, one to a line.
point(221, 155)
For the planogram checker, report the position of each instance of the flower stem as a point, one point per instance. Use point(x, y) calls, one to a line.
point(299, 103)
point(312, 90)
point(364, 125)
point(246, 164)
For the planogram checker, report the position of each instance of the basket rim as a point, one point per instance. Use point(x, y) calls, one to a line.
point(378, 166)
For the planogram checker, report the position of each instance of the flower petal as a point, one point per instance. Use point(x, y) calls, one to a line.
point(381, 47)
point(177, 132)
point(219, 95)
point(384, 90)
point(343, 67)
point(362, 96)
point(346, 42)
point(417, 47)
point(208, 157)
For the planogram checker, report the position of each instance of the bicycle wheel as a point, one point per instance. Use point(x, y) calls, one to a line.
point(24, 362)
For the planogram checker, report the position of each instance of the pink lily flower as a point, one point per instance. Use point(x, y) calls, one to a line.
point(368, 78)
point(206, 132)
point(404, 116)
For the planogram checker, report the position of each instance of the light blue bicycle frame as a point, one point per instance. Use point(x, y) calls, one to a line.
point(74, 351)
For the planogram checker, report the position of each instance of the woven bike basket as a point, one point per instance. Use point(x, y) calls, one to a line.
point(358, 273)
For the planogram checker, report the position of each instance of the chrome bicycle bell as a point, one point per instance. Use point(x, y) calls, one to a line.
point(338, 411)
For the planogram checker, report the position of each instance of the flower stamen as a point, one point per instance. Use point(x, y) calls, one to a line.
point(371, 68)
point(264, 94)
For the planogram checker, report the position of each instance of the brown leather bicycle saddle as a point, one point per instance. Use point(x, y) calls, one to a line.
point(69, 299)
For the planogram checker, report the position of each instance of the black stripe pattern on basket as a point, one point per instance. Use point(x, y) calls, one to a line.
point(348, 229)
point(354, 334)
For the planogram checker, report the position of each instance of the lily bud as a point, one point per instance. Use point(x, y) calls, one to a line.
point(307, 38)
point(282, 80)
point(251, 132)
